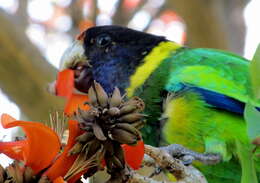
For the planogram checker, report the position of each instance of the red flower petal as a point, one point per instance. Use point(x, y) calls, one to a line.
point(41, 145)
point(13, 150)
point(75, 102)
point(65, 83)
point(134, 154)
point(64, 162)
point(59, 180)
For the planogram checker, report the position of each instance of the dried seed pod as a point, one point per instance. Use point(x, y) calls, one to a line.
point(28, 174)
point(138, 124)
point(113, 111)
point(2, 174)
point(138, 102)
point(129, 118)
point(101, 95)
point(119, 153)
point(109, 146)
point(128, 127)
point(83, 116)
point(116, 98)
point(98, 132)
point(123, 136)
point(116, 162)
point(14, 172)
point(92, 97)
point(44, 179)
point(109, 163)
point(127, 109)
point(75, 149)
point(92, 148)
point(85, 137)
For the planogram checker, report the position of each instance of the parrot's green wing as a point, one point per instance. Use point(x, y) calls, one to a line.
point(213, 70)
point(221, 80)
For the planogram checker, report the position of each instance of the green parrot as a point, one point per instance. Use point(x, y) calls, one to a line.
point(194, 97)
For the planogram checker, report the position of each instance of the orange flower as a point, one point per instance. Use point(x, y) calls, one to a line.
point(64, 162)
point(39, 148)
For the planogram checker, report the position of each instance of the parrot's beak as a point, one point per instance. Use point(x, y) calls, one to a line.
point(74, 60)
point(73, 55)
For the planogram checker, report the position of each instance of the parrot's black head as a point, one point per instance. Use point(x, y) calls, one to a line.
point(109, 55)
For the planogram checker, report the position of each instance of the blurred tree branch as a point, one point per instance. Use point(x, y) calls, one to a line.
point(21, 17)
point(119, 17)
point(154, 16)
point(209, 22)
point(24, 72)
point(95, 12)
point(137, 9)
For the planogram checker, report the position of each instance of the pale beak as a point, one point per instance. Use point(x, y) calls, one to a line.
point(72, 55)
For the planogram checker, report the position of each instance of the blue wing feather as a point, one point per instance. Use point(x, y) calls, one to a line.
point(219, 101)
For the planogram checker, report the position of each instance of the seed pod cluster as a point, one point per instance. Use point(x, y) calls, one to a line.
point(110, 122)
point(17, 172)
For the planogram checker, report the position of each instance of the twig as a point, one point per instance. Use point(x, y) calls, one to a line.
point(176, 150)
point(185, 174)
point(136, 178)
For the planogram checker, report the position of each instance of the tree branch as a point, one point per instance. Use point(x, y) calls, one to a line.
point(164, 157)
point(24, 72)
point(154, 16)
point(137, 9)
point(119, 16)
point(183, 173)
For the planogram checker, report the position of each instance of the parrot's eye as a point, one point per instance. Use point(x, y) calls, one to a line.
point(103, 40)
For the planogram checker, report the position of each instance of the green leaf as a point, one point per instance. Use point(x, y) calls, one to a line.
point(255, 76)
point(252, 117)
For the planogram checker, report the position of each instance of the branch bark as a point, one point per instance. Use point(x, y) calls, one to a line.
point(211, 24)
point(24, 72)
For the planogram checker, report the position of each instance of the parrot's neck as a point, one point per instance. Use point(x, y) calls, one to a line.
point(148, 82)
point(151, 62)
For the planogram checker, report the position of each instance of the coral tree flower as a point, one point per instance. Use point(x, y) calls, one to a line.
point(39, 148)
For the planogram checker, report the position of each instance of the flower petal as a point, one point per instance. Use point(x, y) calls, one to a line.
point(134, 154)
point(59, 180)
point(65, 83)
point(13, 150)
point(75, 102)
point(64, 162)
point(41, 145)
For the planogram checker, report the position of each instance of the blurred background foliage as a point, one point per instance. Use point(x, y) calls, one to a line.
point(34, 34)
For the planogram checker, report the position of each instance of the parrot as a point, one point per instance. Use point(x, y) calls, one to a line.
point(194, 96)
